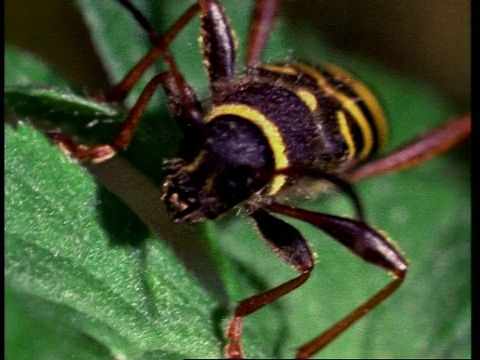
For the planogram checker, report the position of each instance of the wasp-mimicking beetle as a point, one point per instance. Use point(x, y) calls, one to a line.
point(260, 134)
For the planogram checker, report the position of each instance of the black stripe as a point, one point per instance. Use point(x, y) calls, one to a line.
point(344, 88)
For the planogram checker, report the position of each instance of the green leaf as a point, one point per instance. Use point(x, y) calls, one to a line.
point(81, 265)
point(75, 251)
point(57, 105)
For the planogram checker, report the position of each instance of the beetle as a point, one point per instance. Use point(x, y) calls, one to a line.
point(263, 131)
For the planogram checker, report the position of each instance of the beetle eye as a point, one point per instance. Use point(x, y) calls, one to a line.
point(233, 185)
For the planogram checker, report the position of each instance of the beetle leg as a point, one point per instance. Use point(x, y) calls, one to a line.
point(182, 101)
point(289, 244)
point(260, 26)
point(160, 42)
point(366, 243)
point(431, 144)
point(186, 117)
point(318, 343)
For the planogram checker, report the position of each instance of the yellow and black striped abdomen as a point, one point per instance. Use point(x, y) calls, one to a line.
point(350, 121)
point(316, 117)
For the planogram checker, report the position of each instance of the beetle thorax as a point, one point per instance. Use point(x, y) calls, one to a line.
point(231, 163)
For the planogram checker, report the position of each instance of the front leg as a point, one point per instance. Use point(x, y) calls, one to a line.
point(363, 241)
point(289, 244)
point(182, 104)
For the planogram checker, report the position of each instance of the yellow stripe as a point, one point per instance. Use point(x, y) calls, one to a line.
point(308, 98)
point(348, 104)
point(270, 131)
point(305, 95)
point(347, 135)
point(280, 69)
point(369, 99)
